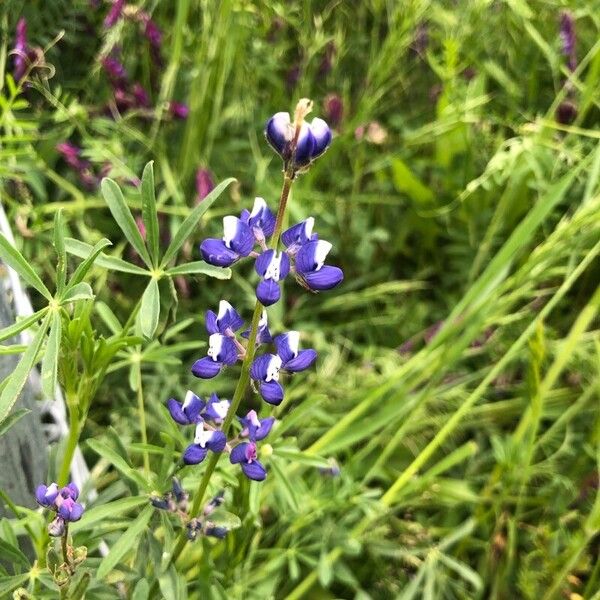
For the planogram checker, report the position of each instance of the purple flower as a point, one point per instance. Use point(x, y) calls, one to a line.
point(254, 428)
point(46, 495)
point(114, 14)
point(333, 105)
point(114, 69)
point(293, 359)
point(261, 220)
point(204, 441)
point(178, 110)
point(313, 139)
point(215, 531)
point(63, 502)
point(21, 50)
point(272, 267)
point(245, 455)
point(226, 322)
point(222, 352)
point(298, 235)
point(311, 269)
point(204, 184)
point(265, 371)
point(263, 335)
point(188, 412)
point(216, 410)
point(142, 99)
point(153, 33)
point(237, 242)
point(72, 155)
point(567, 35)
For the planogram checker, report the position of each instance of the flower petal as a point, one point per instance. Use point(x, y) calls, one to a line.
point(76, 512)
point(237, 235)
point(260, 366)
point(305, 146)
point(176, 411)
point(303, 361)
point(73, 490)
point(287, 345)
point(192, 407)
point(278, 131)
point(216, 253)
point(264, 429)
point(262, 218)
point(229, 352)
point(254, 471)
point(272, 392)
point(238, 454)
point(194, 454)
point(210, 321)
point(263, 261)
point(299, 234)
point(312, 255)
point(206, 368)
point(217, 442)
point(322, 135)
point(268, 292)
point(228, 317)
point(324, 279)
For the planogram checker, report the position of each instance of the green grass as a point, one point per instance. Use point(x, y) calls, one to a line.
point(469, 460)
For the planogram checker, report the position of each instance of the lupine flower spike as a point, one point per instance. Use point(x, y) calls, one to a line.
point(204, 440)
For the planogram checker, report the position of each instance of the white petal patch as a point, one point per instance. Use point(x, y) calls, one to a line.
point(230, 227)
point(273, 270)
point(189, 398)
point(262, 323)
point(293, 342)
point(224, 308)
point(273, 369)
point(308, 227)
point(321, 251)
point(282, 119)
point(221, 408)
point(202, 437)
point(253, 418)
point(215, 343)
point(259, 205)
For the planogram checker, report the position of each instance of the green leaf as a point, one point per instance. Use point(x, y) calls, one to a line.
point(8, 584)
point(200, 267)
point(295, 456)
point(225, 519)
point(406, 181)
point(81, 291)
point(13, 419)
point(113, 263)
point(149, 214)
point(50, 359)
point(191, 221)
point(59, 246)
point(14, 259)
point(150, 309)
point(325, 569)
point(16, 381)
point(141, 590)
point(109, 317)
point(21, 324)
point(95, 515)
point(125, 543)
point(122, 215)
point(86, 265)
point(117, 461)
point(12, 554)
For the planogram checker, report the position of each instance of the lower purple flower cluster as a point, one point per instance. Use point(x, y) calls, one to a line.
point(304, 253)
point(63, 502)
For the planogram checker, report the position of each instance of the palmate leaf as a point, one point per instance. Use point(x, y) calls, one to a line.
point(122, 215)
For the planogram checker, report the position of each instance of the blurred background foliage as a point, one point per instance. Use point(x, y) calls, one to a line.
point(458, 380)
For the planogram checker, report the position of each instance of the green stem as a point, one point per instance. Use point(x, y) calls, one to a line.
point(142, 417)
point(72, 441)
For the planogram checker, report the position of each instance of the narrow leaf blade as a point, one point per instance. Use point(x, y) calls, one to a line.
point(150, 309)
point(199, 267)
point(191, 221)
point(149, 214)
point(122, 215)
point(59, 246)
point(50, 360)
point(112, 263)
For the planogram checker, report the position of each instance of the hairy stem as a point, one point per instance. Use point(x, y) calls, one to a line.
point(142, 417)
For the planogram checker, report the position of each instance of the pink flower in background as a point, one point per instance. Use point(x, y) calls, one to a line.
point(204, 184)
